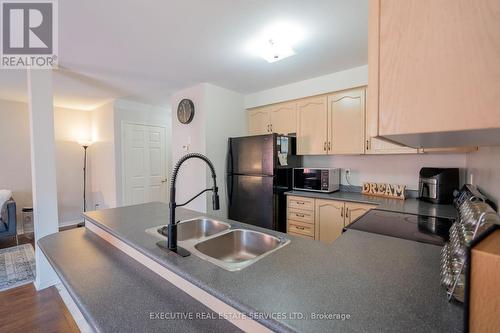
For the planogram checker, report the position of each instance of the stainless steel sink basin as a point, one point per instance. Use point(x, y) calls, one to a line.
point(215, 242)
point(239, 248)
point(198, 228)
point(194, 229)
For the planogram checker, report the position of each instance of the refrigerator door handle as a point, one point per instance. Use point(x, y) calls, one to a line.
point(229, 191)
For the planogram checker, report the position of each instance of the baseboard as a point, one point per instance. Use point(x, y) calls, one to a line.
point(69, 223)
point(45, 284)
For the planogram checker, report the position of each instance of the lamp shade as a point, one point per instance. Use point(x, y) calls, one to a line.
point(84, 143)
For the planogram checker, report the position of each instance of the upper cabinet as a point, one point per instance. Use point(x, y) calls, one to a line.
point(283, 118)
point(258, 121)
point(312, 123)
point(279, 118)
point(333, 124)
point(346, 122)
point(375, 144)
point(434, 76)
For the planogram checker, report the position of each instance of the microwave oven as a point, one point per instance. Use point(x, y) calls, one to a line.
point(316, 179)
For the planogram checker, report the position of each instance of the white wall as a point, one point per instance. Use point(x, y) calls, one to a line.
point(219, 114)
point(192, 176)
point(395, 169)
point(226, 117)
point(102, 159)
point(137, 113)
point(15, 171)
point(483, 167)
point(346, 79)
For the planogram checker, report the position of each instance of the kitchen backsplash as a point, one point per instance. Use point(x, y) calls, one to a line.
point(395, 169)
point(483, 167)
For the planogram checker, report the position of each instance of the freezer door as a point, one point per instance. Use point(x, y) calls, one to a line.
point(251, 155)
point(251, 200)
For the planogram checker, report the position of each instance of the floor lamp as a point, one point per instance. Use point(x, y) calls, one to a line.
point(85, 145)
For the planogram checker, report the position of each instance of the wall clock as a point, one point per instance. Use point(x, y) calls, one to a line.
point(185, 111)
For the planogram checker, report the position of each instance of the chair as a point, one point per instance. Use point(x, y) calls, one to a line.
point(8, 220)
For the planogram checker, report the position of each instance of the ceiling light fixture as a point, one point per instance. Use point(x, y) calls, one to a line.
point(276, 42)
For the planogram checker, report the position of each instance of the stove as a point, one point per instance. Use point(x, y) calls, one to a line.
point(424, 229)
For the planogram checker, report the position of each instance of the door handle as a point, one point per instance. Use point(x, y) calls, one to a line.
point(164, 180)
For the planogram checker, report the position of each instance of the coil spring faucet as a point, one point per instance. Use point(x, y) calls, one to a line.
point(171, 243)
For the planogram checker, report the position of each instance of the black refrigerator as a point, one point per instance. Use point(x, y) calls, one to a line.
point(259, 171)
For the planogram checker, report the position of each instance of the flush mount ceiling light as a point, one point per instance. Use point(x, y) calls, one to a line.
point(276, 42)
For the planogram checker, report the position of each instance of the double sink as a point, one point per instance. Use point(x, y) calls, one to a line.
point(215, 242)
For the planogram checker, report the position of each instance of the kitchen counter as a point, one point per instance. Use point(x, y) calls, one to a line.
point(116, 293)
point(409, 206)
point(382, 283)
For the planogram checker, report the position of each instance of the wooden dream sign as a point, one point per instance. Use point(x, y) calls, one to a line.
point(385, 190)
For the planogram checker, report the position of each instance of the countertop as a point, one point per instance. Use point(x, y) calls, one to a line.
point(116, 293)
point(409, 206)
point(383, 283)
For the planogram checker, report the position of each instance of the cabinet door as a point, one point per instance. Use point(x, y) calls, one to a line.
point(258, 121)
point(312, 114)
point(346, 122)
point(375, 144)
point(353, 210)
point(329, 219)
point(283, 118)
point(438, 67)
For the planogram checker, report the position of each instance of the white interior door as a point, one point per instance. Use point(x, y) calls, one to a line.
point(144, 167)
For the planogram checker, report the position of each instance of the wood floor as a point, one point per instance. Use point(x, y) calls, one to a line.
point(24, 309)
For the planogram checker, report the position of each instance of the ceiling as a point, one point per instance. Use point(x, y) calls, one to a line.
point(145, 50)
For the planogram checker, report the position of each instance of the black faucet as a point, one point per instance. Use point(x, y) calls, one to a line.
point(172, 225)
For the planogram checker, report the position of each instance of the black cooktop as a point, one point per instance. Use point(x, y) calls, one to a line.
point(424, 229)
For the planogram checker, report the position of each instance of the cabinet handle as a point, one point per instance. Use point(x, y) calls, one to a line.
point(268, 128)
point(329, 145)
point(271, 128)
point(299, 215)
point(324, 146)
point(347, 212)
point(300, 203)
point(342, 212)
point(299, 227)
point(367, 144)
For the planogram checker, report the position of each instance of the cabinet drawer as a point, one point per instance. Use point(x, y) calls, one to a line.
point(300, 235)
point(305, 216)
point(301, 203)
point(301, 228)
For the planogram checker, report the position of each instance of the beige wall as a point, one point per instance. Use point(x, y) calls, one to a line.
point(15, 167)
point(483, 168)
point(102, 159)
point(15, 171)
point(70, 126)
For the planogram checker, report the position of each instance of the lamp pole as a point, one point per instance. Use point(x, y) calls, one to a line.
point(85, 178)
point(85, 145)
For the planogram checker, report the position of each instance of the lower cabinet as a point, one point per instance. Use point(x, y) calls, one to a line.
point(330, 217)
point(353, 210)
point(321, 219)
